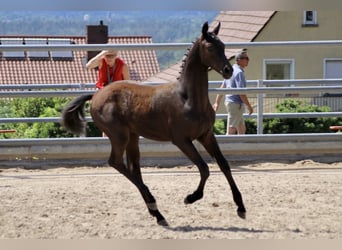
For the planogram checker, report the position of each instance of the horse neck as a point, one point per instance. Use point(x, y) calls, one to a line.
point(193, 81)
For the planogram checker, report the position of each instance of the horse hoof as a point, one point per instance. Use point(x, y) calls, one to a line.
point(163, 223)
point(186, 201)
point(242, 215)
point(191, 198)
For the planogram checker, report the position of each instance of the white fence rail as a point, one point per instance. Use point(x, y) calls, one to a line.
point(22, 91)
point(159, 46)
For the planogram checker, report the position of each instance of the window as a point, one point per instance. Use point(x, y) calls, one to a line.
point(279, 69)
point(63, 54)
point(310, 18)
point(333, 70)
point(37, 55)
point(13, 55)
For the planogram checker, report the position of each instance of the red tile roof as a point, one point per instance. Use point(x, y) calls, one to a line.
point(167, 75)
point(236, 26)
point(142, 64)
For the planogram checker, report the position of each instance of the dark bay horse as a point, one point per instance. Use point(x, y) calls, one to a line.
point(179, 112)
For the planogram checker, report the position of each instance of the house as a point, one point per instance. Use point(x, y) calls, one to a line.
point(53, 67)
point(290, 62)
point(236, 26)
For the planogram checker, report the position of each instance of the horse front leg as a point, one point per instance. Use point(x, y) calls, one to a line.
point(210, 144)
point(191, 152)
point(133, 173)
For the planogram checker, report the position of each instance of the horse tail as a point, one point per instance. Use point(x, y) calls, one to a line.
point(73, 118)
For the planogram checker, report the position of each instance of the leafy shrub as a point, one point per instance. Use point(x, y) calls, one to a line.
point(220, 126)
point(300, 125)
point(52, 107)
point(289, 125)
point(39, 107)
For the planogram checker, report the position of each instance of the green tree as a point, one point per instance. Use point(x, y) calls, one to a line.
point(33, 107)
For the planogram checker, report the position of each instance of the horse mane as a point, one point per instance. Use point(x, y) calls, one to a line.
point(184, 59)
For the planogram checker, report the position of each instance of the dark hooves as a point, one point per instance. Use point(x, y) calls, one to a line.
point(241, 214)
point(191, 198)
point(163, 223)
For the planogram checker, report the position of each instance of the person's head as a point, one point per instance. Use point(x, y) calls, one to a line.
point(110, 56)
point(242, 59)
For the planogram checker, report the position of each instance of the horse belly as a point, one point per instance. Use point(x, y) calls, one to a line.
point(154, 129)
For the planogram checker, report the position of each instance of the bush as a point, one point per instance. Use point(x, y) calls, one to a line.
point(289, 125)
point(300, 125)
point(52, 107)
point(220, 126)
point(39, 107)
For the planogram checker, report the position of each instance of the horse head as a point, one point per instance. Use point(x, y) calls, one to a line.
point(212, 52)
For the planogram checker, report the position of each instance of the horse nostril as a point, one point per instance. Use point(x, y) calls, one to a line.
point(227, 69)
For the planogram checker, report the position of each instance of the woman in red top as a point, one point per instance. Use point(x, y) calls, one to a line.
point(111, 68)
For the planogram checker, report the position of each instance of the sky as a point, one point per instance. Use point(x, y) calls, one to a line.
point(169, 5)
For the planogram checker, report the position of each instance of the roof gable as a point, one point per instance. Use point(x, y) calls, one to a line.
point(236, 26)
point(241, 26)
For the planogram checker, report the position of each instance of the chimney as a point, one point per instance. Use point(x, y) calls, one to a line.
point(96, 34)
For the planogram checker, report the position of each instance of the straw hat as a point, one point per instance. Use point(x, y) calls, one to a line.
point(110, 52)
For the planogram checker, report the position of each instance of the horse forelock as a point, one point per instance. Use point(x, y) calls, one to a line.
point(212, 37)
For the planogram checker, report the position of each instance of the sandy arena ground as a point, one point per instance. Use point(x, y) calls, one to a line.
point(302, 200)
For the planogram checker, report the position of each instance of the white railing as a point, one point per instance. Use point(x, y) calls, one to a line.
point(158, 46)
point(277, 144)
point(22, 92)
point(259, 91)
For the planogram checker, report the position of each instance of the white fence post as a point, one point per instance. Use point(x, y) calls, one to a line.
point(260, 115)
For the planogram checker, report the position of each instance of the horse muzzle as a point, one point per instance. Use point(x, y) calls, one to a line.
point(227, 71)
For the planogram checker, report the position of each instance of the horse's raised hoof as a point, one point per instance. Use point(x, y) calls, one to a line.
point(163, 223)
point(241, 214)
point(191, 198)
point(186, 201)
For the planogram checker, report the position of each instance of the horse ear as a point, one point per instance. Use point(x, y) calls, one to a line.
point(217, 28)
point(205, 28)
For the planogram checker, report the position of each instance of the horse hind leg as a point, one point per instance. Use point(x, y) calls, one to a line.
point(191, 152)
point(133, 173)
point(210, 144)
